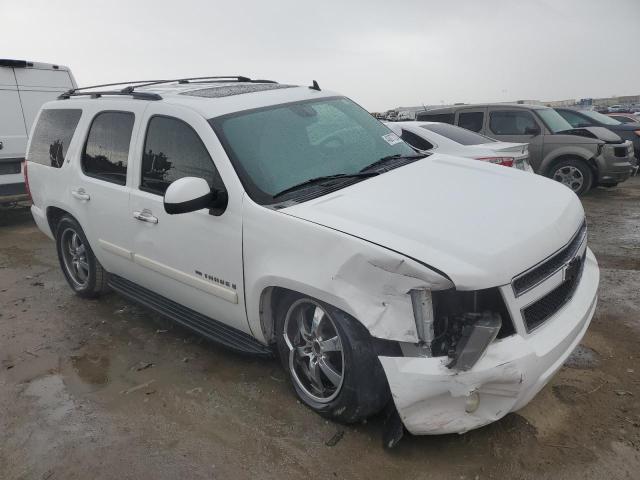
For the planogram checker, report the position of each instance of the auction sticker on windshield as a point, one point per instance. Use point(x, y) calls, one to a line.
point(391, 138)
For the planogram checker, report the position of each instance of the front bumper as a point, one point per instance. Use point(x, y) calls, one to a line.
point(613, 169)
point(432, 399)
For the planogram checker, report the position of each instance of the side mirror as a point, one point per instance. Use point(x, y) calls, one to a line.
point(189, 194)
point(532, 131)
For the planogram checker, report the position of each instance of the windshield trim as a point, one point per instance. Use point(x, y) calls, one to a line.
point(255, 192)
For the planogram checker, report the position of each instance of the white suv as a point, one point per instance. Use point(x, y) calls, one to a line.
point(272, 218)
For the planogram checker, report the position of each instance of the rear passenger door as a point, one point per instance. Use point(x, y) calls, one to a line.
point(518, 125)
point(99, 190)
point(195, 258)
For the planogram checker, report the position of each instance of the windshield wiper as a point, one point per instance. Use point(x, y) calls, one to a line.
point(323, 178)
point(384, 160)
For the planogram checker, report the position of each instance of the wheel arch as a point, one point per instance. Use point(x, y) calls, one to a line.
point(272, 295)
point(582, 156)
point(54, 214)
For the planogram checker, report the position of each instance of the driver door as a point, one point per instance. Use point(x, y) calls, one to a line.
point(195, 258)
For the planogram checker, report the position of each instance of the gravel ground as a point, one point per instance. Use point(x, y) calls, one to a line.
point(105, 389)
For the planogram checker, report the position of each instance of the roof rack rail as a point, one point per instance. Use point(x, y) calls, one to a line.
point(98, 94)
point(130, 89)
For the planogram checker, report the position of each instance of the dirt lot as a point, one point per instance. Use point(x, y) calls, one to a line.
point(105, 389)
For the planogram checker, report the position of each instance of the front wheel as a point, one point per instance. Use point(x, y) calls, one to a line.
point(331, 360)
point(574, 174)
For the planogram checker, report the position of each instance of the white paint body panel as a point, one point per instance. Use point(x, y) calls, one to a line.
point(503, 222)
point(438, 223)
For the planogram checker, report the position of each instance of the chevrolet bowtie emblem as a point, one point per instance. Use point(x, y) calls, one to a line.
point(571, 269)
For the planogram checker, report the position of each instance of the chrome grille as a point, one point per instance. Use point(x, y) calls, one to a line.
point(525, 281)
point(539, 311)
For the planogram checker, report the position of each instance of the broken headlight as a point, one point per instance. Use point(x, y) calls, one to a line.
point(460, 324)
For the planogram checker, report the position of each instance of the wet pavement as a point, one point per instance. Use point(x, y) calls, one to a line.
point(105, 389)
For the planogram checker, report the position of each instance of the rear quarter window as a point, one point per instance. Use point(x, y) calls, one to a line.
point(52, 136)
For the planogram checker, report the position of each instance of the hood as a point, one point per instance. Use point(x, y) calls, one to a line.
point(596, 133)
point(478, 223)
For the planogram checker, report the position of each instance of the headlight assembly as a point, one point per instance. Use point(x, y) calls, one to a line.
point(460, 324)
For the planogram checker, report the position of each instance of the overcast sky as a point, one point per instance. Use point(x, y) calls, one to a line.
point(382, 54)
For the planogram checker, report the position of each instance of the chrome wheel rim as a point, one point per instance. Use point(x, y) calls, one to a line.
point(570, 176)
point(316, 358)
point(74, 256)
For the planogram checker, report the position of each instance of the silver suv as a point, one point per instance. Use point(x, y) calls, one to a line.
point(580, 158)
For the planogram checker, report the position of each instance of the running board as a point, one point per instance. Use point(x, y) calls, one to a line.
point(213, 330)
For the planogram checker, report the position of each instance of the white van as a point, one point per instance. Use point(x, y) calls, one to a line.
point(24, 87)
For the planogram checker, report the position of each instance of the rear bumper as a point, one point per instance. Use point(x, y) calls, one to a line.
point(432, 399)
point(13, 192)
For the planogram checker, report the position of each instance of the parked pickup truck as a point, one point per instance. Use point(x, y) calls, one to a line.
point(283, 220)
point(579, 158)
point(24, 87)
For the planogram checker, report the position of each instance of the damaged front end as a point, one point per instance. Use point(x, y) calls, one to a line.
point(476, 361)
point(459, 324)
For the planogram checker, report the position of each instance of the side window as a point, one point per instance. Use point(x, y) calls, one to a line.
point(436, 117)
point(415, 141)
point(52, 136)
point(471, 120)
point(106, 152)
point(173, 150)
point(512, 122)
point(574, 119)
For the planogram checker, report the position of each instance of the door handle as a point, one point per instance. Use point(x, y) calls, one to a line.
point(80, 194)
point(145, 216)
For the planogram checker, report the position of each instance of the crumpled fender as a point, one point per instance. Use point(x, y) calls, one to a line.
point(367, 281)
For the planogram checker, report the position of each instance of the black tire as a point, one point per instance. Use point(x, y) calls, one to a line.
point(566, 169)
point(364, 390)
point(95, 282)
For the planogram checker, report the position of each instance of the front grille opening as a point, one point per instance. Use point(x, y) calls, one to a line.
point(541, 310)
point(529, 279)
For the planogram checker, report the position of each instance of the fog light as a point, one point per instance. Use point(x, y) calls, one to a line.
point(472, 403)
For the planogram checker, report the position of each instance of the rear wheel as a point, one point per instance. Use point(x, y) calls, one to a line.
point(330, 359)
point(574, 174)
point(81, 268)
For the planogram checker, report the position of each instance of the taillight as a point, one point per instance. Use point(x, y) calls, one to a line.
point(504, 161)
point(26, 179)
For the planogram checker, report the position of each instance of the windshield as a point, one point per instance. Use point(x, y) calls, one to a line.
point(458, 134)
point(278, 147)
point(600, 118)
point(553, 120)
